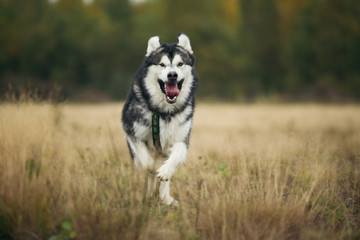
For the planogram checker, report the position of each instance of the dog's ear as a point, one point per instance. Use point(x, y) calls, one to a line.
point(184, 42)
point(153, 44)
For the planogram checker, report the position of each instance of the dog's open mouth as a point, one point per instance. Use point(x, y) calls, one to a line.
point(171, 90)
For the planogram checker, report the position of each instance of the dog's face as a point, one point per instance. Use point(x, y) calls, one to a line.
point(170, 77)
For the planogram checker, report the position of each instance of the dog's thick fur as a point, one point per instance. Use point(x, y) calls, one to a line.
point(165, 84)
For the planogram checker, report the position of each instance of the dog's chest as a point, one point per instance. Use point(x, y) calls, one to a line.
point(172, 130)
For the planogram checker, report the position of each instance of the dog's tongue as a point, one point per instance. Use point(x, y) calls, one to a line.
point(171, 90)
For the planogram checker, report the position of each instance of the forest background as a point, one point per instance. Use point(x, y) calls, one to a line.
point(246, 50)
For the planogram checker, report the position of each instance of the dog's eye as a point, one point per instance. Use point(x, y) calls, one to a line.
point(162, 65)
point(180, 64)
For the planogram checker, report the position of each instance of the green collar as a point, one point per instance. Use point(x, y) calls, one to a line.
point(156, 131)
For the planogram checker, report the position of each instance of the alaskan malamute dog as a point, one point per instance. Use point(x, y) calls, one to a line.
point(157, 116)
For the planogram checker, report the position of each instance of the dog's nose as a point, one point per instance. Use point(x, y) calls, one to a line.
point(172, 76)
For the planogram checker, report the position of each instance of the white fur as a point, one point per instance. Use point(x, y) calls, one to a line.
point(177, 157)
point(164, 193)
point(174, 131)
point(170, 67)
point(142, 158)
point(184, 42)
point(153, 44)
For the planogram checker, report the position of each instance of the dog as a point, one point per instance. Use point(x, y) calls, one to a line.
point(158, 114)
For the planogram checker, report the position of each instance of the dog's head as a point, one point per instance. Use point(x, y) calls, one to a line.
point(170, 78)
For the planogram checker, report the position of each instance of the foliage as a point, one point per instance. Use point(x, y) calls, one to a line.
point(245, 49)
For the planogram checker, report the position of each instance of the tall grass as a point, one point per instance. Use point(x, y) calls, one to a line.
point(253, 172)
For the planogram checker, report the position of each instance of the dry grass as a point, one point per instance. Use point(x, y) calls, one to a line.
point(253, 172)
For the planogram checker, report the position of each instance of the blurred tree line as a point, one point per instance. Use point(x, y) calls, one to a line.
point(245, 49)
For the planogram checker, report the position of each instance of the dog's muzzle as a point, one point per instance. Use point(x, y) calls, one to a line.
point(171, 89)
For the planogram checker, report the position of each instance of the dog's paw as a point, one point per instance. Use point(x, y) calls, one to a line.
point(165, 172)
point(175, 203)
point(170, 201)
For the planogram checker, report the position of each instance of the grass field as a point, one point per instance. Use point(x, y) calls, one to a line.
point(252, 172)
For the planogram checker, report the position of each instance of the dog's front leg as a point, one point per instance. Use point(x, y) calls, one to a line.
point(177, 157)
point(164, 194)
point(141, 156)
point(151, 185)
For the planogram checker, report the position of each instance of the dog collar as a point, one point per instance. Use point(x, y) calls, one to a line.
point(156, 131)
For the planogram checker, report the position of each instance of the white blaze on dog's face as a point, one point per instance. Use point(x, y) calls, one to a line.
point(169, 78)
